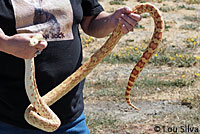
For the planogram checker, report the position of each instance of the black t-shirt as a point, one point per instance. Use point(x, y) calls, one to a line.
point(58, 61)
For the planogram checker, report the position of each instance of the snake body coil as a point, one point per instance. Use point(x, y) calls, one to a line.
point(41, 116)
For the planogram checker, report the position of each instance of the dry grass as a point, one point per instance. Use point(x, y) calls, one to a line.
point(167, 91)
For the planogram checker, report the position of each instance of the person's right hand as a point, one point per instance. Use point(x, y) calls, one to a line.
point(19, 45)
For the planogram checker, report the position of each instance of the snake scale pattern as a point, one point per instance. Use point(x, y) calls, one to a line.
point(38, 113)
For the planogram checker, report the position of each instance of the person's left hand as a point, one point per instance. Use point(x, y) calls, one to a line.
point(128, 19)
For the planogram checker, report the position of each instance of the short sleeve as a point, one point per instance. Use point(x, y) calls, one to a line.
point(91, 7)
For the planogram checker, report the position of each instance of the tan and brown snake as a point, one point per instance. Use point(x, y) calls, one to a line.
point(38, 112)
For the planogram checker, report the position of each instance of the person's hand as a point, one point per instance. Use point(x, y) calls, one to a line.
point(128, 19)
point(19, 45)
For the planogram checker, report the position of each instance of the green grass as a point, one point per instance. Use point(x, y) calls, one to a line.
point(175, 59)
point(132, 55)
point(170, 56)
point(116, 88)
point(156, 83)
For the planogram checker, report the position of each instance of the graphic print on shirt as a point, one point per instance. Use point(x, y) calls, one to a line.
point(54, 18)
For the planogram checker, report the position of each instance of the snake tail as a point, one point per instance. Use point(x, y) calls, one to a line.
point(150, 50)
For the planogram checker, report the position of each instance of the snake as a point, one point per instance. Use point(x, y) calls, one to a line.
point(38, 113)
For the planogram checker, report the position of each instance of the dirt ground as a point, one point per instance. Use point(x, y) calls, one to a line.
point(166, 94)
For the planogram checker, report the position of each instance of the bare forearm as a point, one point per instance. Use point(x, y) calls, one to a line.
point(18, 45)
point(101, 26)
point(3, 39)
point(1, 31)
point(104, 23)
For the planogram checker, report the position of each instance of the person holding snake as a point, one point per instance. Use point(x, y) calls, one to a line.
point(57, 55)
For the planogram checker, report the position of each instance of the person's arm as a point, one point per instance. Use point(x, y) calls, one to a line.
point(104, 23)
point(2, 39)
point(18, 45)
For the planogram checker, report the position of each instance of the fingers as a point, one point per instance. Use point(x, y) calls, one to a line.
point(39, 44)
point(128, 11)
point(128, 19)
point(36, 44)
point(136, 17)
point(19, 45)
point(128, 23)
point(125, 10)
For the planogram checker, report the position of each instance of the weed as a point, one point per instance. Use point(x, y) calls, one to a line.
point(192, 42)
point(192, 1)
point(110, 88)
point(192, 101)
point(117, 2)
point(139, 27)
point(156, 83)
point(167, 26)
point(192, 18)
point(159, 59)
point(97, 122)
point(189, 26)
point(133, 54)
point(180, 60)
point(86, 40)
point(145, 15)
point(185, 7)
point(166, 9)
point(124, 55)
